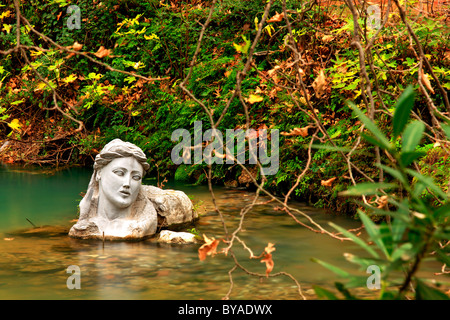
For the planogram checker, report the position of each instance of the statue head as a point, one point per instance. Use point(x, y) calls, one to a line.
point(116, 180)
point(119, 169)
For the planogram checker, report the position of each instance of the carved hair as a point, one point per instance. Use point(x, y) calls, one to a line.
point(120, 149)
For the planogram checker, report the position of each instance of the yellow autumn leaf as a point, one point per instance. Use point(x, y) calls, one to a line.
point(150, 37)
point(15, 125)
point(254, 98)
point(7, 28)
point(40, 86)
point(70, 78)
point(269, 28)
point(15, 103)
point(36, 53)
point(244, 47)
point(5, 14)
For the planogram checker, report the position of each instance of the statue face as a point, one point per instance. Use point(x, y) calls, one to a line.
point(120, 181)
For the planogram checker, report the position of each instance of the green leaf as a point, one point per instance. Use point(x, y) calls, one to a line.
point(442, 212)
point(363, 262)
point(427, 182)
point(403, 252)
point(398, 229)
point(386, 236)
point(344, 291)
point(330, 267)
point(409, 157)
point(373, 232)
point(130, 79)
point(402, 109)
point(323, 293)
point(443, 257)
point(388, 295)
point(371, 127)
point(372, 140)
point(367, 188)
point(412, 136)
point(424, 292)
point(17, 102)
point(394, 173)
point(356, 239)
point(446, 129)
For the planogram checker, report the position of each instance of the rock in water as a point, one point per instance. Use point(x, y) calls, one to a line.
point(168, 236)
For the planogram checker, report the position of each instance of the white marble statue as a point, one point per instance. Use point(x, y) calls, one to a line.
point(118, 207)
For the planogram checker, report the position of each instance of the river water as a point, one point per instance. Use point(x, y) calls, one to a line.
point(34, 265)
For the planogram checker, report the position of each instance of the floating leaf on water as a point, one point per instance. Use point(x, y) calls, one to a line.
point(208, 248)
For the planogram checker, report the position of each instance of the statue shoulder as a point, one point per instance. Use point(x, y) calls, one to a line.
point(174, 206)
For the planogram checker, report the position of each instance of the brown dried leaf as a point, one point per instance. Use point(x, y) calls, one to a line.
point(102, 52)
point(269, 263)
point(297, 132)
point(425, 81)
point(319, 84)
point(208, 248)
point(276, 18)
point(76, 46)
point(271, 72)
point(327, 38)
point(328, 183)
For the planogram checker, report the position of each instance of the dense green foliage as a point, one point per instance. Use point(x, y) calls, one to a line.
point(158, 40)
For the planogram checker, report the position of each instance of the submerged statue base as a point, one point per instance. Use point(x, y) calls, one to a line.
point(116, 205)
